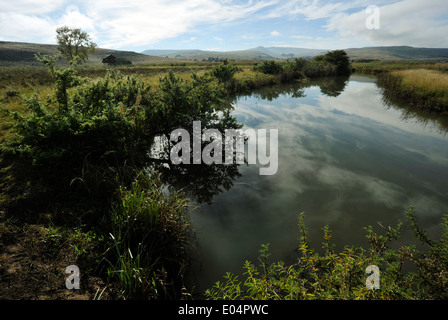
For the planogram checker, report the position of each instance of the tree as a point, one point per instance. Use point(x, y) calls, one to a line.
point(337, 58)
point(74, 44)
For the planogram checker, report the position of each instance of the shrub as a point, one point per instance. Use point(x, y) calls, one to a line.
point(342, 275)
point(269, 67)
point(104, 123)
point(224, 72)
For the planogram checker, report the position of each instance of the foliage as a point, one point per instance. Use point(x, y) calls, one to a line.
point(149, 237)
point(269, 67)
point(105, 122)
point(225, 71)
point(74, 44)
point(342, 275)
point(337, 58)
point(79, 147)
point(333, 63)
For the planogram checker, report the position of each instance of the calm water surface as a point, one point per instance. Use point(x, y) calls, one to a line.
point(345, 159)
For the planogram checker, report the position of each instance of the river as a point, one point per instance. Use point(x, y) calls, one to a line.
point(346, 158)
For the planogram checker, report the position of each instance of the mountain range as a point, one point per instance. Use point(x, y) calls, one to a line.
point(266, 53)
point(23, 54)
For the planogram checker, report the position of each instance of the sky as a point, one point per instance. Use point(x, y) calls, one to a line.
point(225, 25)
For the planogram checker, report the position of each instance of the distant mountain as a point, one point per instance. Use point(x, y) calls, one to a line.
point(201, 55)
point(22, 54)
point(289, 52)
point(397, 53)
point(284, 53)
point(258, 53)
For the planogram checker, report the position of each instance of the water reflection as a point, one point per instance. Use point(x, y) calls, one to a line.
point(330, 86)
point(201, 182)
point(410, 112)
point(345, 159)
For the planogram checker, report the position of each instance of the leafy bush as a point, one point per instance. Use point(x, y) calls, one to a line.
point(103, 123)
point(337, 58)
point(342, 275)
point(333, 63)
point(224, 72)
point(269, 67)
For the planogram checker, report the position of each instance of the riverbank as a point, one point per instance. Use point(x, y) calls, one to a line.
point(421, 85)
point(78, 198)
point(423, 88)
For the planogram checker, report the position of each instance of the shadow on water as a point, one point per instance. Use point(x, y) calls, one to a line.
point(201, 182)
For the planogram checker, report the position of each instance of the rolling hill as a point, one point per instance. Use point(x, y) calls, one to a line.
point(397, 53)
point(283, 53)
point(201, 55)
point(22, 54)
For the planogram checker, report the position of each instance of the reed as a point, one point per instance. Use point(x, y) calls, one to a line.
point(150, 237)
point(423, 88)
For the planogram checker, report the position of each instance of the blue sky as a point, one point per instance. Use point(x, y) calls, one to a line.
point(225, 25)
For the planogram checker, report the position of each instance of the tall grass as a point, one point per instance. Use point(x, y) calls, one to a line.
point(150, 238)
point(426, 89)
point(378, 67)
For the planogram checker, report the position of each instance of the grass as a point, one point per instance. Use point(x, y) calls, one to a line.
point(420, 84)
point(423, 88)
point(376, 67)
point(150, 233)
point(431, 81)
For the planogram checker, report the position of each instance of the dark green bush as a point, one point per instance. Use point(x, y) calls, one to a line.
point(224, 72)
point(269, 67)
point(71, 143)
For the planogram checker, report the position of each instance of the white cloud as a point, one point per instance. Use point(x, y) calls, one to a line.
point(118, 23)
point(145, 22)
point(30, 7)
point(407, 22)
point(403, 22)
point(20, 27)
point(74, 18)
point(315, 9)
